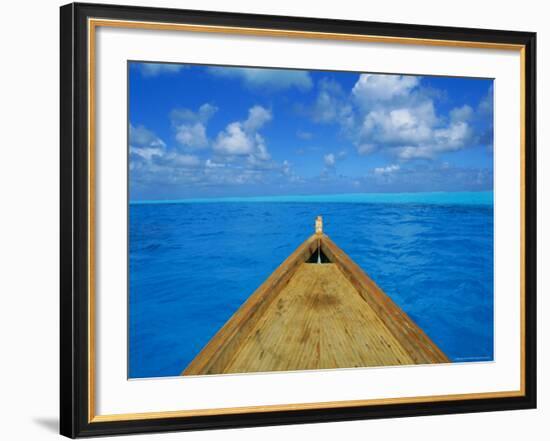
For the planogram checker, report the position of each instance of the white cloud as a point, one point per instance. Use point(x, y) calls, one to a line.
point(213, 164)
point(240, 156)
point(413, 152)
point(331, 104)
point(446, 139)
point(192, 135)
point(261, 150)
point(234, 141)
point(429, 176)
point(330, 160)
point(144, 144)
point(289, 174)
point(386, 170)
point(242, 138)
point(452, 137)
point(395, 114)
point(176, 160)
point(191, 126)
point(375, 87)
point(285, 168)
point(270, 79)
point(464, 113)
point(365, 148)
point(142, 137)
point(257, 117)
point(152, 162)
point(203, 114)
point(146, 153)
point(329, 101)
point(401, 125)
point(155, 69)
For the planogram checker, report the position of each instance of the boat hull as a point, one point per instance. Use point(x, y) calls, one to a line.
point(316, 316)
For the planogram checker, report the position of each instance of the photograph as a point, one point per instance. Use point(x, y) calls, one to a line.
point(286, 217)
point(299, 219)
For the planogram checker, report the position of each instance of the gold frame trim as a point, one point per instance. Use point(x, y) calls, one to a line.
point(92, 25)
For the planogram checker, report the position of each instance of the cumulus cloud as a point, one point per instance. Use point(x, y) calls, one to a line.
point(415, 132)
point(257, 117)
point(397, 126)
point(241, 138)
point(394, 114)
point(266, 79)
point(236, 156)
point(192, 135)
point(190, 126)
point(142, 137)
point(461, 114)
point(371, 88)
point(399, 116)
point(155, 69)
point(330, 160)
point(331, 104)
point(151, 161)
point(234, 141)
point(144, 144)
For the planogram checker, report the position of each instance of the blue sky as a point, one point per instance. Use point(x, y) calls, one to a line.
point(205, 131)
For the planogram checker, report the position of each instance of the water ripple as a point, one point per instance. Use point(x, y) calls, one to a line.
point(192, 265)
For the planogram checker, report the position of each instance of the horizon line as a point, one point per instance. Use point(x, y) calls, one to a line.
point(455, 197)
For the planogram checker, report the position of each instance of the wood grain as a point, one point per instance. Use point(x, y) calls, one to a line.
point(316, 316)
point(220, 349)
point(318, 321)
point(421, 348)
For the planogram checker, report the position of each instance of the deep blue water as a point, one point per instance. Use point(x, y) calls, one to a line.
point(193, 264)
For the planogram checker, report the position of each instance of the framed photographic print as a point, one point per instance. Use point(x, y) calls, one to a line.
point(273, 220)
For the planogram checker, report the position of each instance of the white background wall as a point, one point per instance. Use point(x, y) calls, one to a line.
point(29, 153)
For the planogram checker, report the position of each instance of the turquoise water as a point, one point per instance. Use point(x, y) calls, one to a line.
point(455, 198)
point(192, 264)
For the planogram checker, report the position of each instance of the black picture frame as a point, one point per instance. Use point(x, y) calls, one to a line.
point(74, 192)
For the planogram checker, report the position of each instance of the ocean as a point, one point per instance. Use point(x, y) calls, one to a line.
point(192, 264)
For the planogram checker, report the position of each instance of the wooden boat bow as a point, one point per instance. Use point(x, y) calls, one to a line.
point(311, 316)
